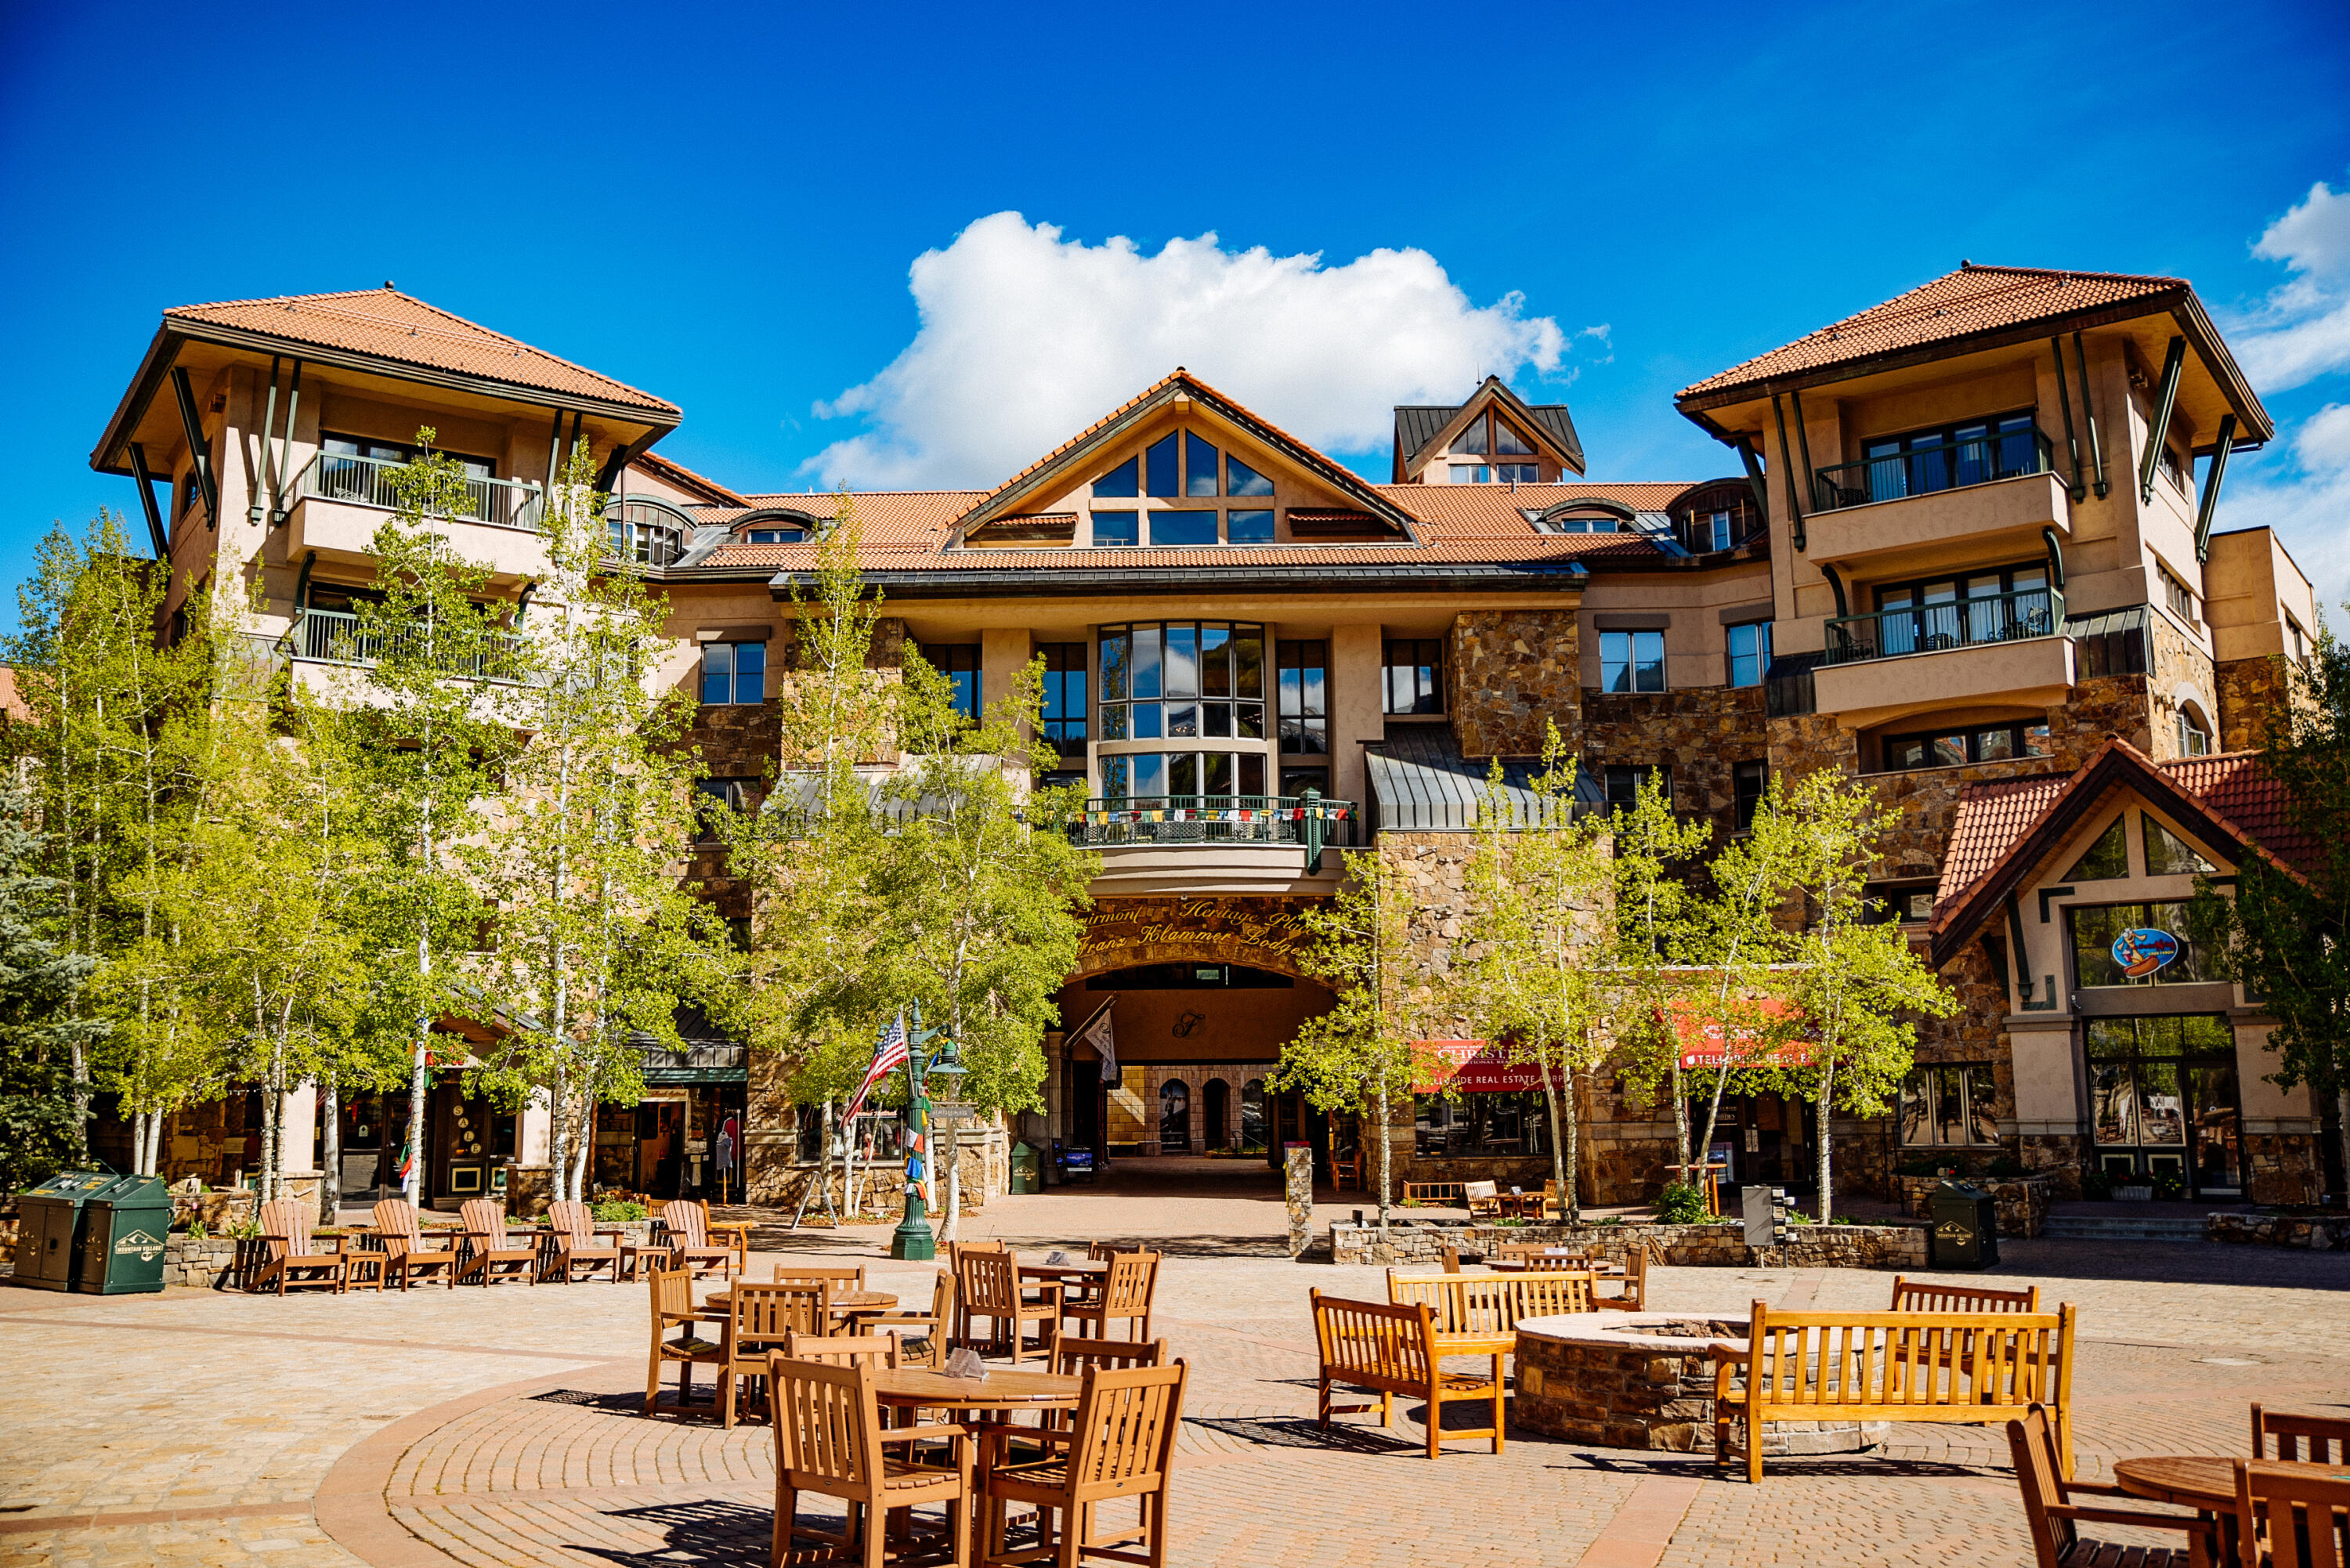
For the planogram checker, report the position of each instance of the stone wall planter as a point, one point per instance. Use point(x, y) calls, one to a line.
point(2022, 1201)
point(2316, 1233)
point(201, 1262)
point(1421, 1241)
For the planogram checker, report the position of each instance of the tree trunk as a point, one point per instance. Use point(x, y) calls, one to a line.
point(154, 1143)
point(412, 1185)
point(1380, 1132)
point(1827, 1143)
point(331, 1153)
point(1562, 1164)
point(558, 1131)
point(1680, 1107)
point(2342, 1129)
point(139, 1143)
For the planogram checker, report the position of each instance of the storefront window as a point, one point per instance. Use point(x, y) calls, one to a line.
point(1949, 1103)
point(2095, 927)
point(1486, 1123)
point(2163, 1097)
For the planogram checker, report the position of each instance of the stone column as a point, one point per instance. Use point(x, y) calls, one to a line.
point(1298, 1174)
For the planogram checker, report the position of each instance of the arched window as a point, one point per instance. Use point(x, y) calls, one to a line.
point(1174, 1118)
point(2194, 734)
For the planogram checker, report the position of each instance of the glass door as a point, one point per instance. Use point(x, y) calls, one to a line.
point(2213, 1148)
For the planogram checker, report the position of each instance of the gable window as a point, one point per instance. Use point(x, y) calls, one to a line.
point(1513, 456)
point(1182, 466)
point(1631, 661)
point(1583, 521)
point(1179, 528)
point(733, 672)
point(1304, 671)
point(1240, 479)
point(1115, 528)
point(1119, 480)
point(2094, 928)
point(959, 662)
point(1248, 526)
point(2167, 855)
point(777, 533)
point(1750, 652)
point(1413, 673)
point(1182, 678)
point(2104, 860)
point(1623, 781)
point(1159, 476)
point(1950, 1103)
point(1066, 708)
point(1973, 744)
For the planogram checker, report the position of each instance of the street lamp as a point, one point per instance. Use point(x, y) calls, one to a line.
point(912, 1240)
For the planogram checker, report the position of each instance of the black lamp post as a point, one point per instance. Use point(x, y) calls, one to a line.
point(912, 1240)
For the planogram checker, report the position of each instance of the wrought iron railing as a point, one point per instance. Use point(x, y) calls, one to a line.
point(336, 637)
point(367, 482)
point(1922, 471)
point(1950, 623)
point(1215, 819)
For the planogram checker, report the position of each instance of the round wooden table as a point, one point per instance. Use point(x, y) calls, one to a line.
point(999, 1390)
point(2196, 1480)
point(845, 1303)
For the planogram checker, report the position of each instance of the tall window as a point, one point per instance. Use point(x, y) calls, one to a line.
point(1513, 458)
point(1182, 774)
point(1182, 466)
point(1413, 676)
point(1950, 1103)
point(733, 672)
point(1748, 781)
point(1066, 708)
point(2176, 595)
point(1631, 661)
point(1182, 678)
point(2163, 1095)
point(2096, 928)
point(1995, 606)
point(2194, 740)
point(1304, 670)
point(714, 798)
point(1750, 652)
point(2297, 642)
point(959, 662)
point(1623, 781)
point(1942, 459)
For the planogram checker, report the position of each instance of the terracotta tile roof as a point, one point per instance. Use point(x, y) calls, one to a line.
point(388, 324)
point(1991, 816)
point(684, 478)
point(1461, 511)
point(1962, 304)
point(2235, 787)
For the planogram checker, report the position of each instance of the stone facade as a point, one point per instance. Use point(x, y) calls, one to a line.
point(2282, 1167)
point(2177, 672)
point(1700, 734)
point(2251, 692)
point(2316, 1232)
point(1722, 1245)
point(1510, 671)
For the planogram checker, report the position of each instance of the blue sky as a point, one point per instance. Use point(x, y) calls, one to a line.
point(723, 206)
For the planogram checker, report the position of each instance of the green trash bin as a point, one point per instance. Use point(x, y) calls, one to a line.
point(123, 1226)
point(48, 1224)
point(1027, 1172)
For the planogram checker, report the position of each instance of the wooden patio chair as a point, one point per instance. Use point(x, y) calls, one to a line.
point(397, 1228)
point(842, 1277)
point(486, 1249)
point(689, 1244)
point(1126, 1296)
point(1120, 1443)
point(576, 1246)
point(880, 1350)
point(2287, 1517)
point(290, 1262)
point(2328, 1436)
point(1482, 1199)
point(1452, 1259)
point(956, 1253)
point(987, 1284)
point(929, 1330)
point(672, 1299)
point(1631, 1294)
point(829, 1440)
point(759, 1318)
point(2054, 1516)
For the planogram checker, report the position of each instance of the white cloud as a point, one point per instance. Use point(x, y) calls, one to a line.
point(2302, 330)
point(2309, 505)
point(1026, 338)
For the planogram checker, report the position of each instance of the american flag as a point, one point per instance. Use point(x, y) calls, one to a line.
point(889, 1053)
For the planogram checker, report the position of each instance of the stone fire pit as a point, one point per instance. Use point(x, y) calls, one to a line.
point(1644, 1380)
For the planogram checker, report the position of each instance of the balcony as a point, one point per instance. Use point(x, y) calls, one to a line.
point(1910, 510)
point(1929, 470)
point(336, 637)
point(1952, 623)
point(367, 482)
point(2006, 650)
point(1216, 843)
point(339, 502)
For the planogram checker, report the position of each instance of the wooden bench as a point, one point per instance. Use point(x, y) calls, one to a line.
point(1974, 1368)
point(1390, 1350)
point(1917, 1295)
point(1478, 1314)
point(1433, 1192)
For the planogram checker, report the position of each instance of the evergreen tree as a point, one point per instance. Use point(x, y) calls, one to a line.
point(41, 1037)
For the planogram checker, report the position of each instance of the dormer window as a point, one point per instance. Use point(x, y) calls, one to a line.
point(1720, 515)
point(1180, 466)
point(776, 535)
point(1489, 436)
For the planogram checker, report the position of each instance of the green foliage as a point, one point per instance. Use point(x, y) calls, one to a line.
point(613, 1211)
point(1918, 1167)
point(2169, 1186)
point(1682, 1203)
point(2098, 1185)
point(1652, 910)
point(39, 1129)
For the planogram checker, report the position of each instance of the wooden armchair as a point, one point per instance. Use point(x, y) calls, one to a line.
point(574, 1246)
point(2287, 1518)
point(291, 1261)
point(930, 1330)
point(1483, 1200)
point(829, 1440)
point(956, 1253)
point(1120, 1444)
point(397, 1228)
point(759, 1319)
point(672, 1302)
point(2055, 1518)
point(1125, 1296)
point(1632, 1290)
point(690, 1243)
point(487, 1253)
point(844, 1278)
point(2328, 1436)
point(880, 1350)
point(987, 1284)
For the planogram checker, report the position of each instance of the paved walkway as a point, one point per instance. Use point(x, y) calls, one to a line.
point(503, 1426)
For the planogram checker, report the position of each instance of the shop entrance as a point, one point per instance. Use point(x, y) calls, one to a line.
point(2163, 1103)
point(1766, 1140)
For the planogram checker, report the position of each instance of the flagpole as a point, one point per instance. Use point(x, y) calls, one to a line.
point(912, 1240)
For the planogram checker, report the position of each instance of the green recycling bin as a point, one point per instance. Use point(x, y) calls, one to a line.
point(48, 1221)
point(123, 1230)
point(1026, 1169)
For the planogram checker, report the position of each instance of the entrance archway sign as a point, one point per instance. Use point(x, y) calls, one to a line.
point(1260, 933)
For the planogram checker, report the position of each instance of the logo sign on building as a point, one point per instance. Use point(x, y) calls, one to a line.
point(1469, 1068)
point(1705, 1044)
point(2142, 949)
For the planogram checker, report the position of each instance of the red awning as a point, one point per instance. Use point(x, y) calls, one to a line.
point(1702, 1044)
point(1470, 1067)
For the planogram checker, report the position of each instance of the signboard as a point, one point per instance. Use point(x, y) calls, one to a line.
point(2142, 949)
point(1702, 1044)
point(1469, 1068)
point(951, 1111)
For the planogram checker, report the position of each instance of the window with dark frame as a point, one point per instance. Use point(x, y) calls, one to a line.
point(714, 798)
point(1945, 457)
point(1500, 1122)
point(1907, 903)
point(1067, 710)
point(1622, 781)
point(959, 662)
point(1412, 677)
point(1750, 652)
point(733, 672)
point(2094, 928)
point(1304, 674)
point(1182, 465)
point(1748, 784)
point(1510, 457)
point(1970, 743)
point(1181, 678)
point(1949, 1103)
point(1996, 603)
point(1631, 661)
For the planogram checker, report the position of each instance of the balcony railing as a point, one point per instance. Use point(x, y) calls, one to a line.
point(336, 637)
point(1923, 470)
point(1950, 623)
point(367, 482)
point(1216, 819)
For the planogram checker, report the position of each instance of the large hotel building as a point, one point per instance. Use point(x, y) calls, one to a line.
point(1957, 546)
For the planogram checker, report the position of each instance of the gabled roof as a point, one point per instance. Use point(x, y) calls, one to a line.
point(709, 492)
point(2006, 829)
point(1973, 309)
point(1422, 429)
point(1070, 454)
point(385, 324)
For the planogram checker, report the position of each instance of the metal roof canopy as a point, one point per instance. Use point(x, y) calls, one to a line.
point(1420, 782)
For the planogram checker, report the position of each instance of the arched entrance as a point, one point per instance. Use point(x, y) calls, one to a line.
point(1174, 1118)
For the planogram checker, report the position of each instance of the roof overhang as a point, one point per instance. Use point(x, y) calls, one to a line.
point(1081, 582)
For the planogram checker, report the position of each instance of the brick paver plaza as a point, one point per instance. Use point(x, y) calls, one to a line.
point(503, 1426)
